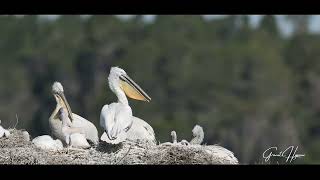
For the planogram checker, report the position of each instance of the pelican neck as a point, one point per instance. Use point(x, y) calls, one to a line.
point(121, 96)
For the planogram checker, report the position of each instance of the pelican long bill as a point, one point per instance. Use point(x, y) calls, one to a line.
point(65, 102)
point(132, 89)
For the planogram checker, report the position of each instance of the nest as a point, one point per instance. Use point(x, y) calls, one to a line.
point(17, 150)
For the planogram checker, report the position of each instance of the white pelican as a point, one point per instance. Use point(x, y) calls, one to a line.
point(73, 136)
point(116, 118)
point(76, 121)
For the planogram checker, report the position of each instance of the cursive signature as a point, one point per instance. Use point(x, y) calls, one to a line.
point(290, 154)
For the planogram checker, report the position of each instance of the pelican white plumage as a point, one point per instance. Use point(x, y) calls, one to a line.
point(26, 135)
point(4, 132)
point(116, 118)
point(198, 135)
point(174, 139)
point(46, 142)
point(141, 130)
point(76, 121)
point(73, 135)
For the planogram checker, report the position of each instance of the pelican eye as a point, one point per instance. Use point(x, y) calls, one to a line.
point(122, 78)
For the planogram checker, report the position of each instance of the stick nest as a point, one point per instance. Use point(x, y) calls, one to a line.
point(17, 150)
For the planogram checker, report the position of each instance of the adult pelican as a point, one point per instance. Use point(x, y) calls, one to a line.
point(76, 121)
point(116, 118)
point(141, 130)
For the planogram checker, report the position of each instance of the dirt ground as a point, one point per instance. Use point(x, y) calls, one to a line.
point(16, 150)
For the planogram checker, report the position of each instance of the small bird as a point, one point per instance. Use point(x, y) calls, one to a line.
point(175, 140)
point(73, 135)
point(116, 118)
point(174, 137)
point(198, 135)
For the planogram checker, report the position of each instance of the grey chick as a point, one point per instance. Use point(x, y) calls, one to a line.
point(198, 135)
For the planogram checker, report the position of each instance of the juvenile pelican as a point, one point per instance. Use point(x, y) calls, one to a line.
point(182, 142)
point(76, 121)
point(173, 138)
point(116, 118)
point(198, 135)
point(73, 135)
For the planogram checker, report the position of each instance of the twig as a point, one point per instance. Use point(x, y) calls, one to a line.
point(4, 157)
point(124, 155)
point(17, 118)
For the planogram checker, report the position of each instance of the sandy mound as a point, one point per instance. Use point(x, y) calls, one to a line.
point(16, 150)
